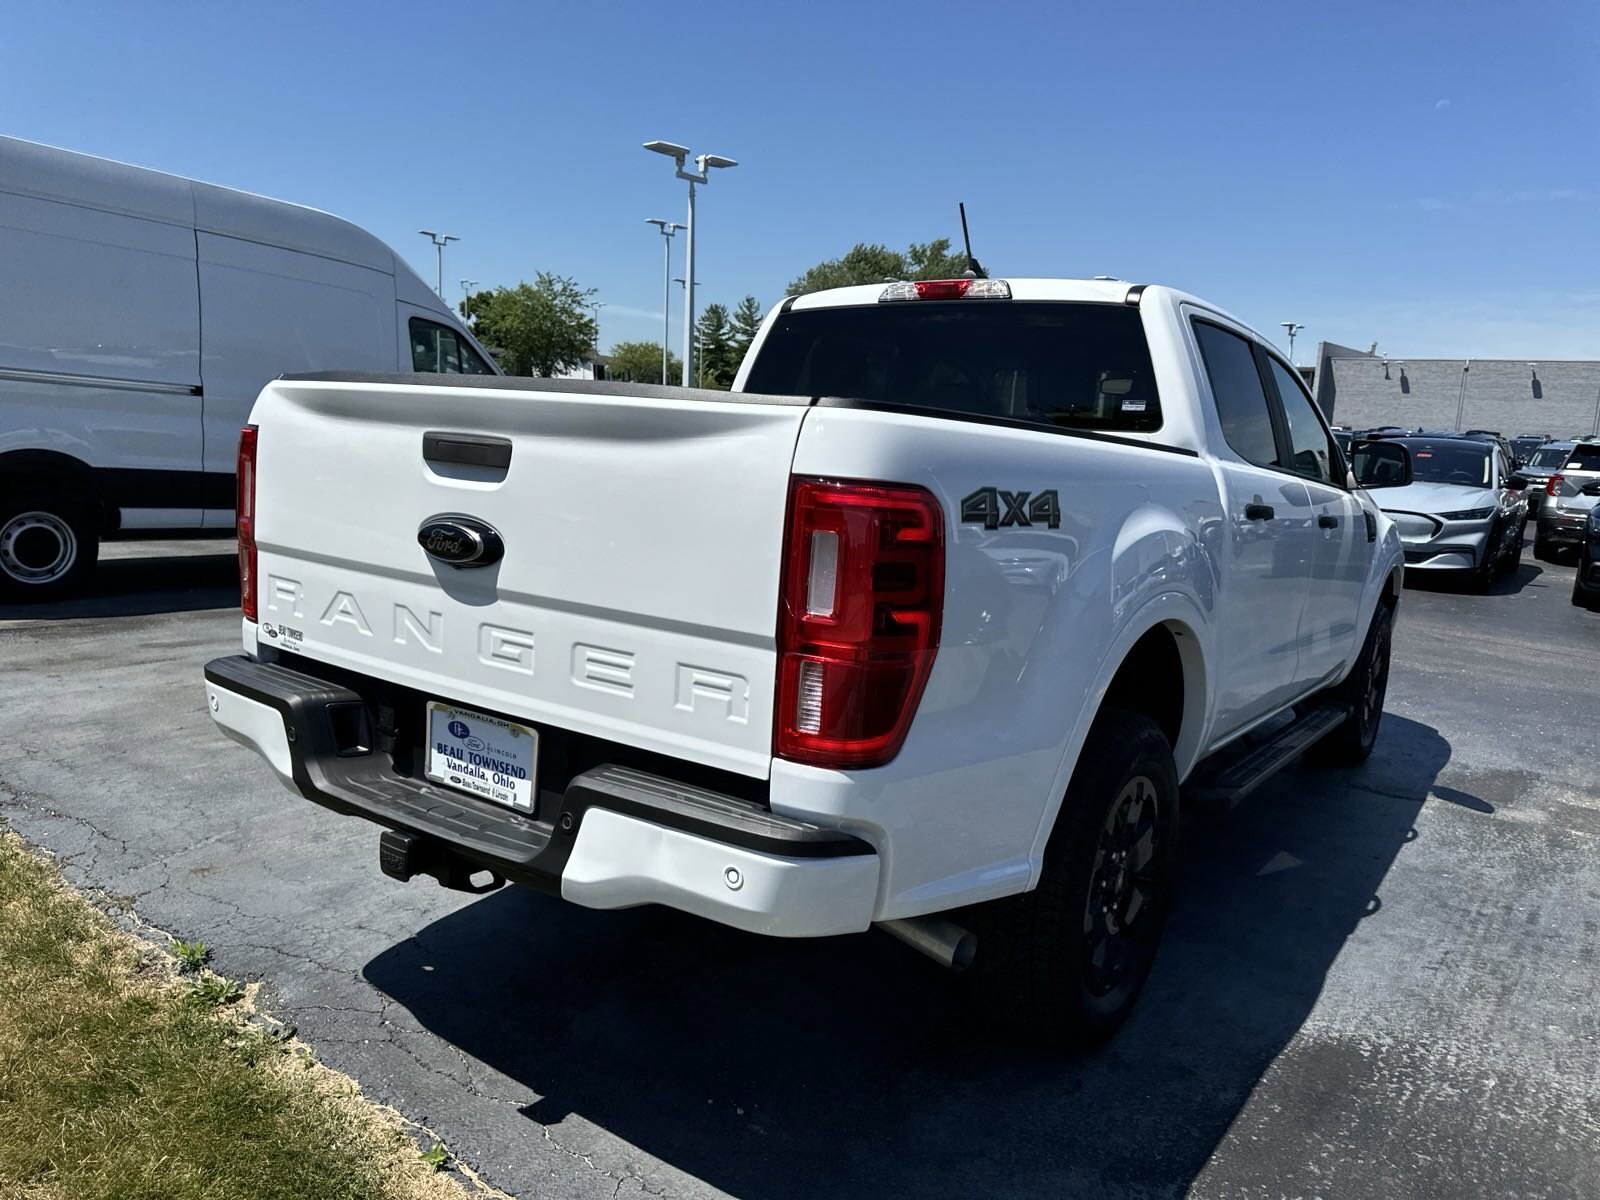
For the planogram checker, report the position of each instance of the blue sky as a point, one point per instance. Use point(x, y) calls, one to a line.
point(1421, 175)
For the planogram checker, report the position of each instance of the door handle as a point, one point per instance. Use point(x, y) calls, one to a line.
point(1324, 521)
point(466, 449)
point(1258, 512)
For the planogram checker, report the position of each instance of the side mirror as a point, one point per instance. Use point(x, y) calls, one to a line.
point(1516, 483)
point(1380, 464)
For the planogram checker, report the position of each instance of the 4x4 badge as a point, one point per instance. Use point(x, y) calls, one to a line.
point(996, 508)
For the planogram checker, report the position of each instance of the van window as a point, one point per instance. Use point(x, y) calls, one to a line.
point(437, 350)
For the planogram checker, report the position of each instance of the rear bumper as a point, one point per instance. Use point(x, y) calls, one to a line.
point(1562, 527)
point(611, 836)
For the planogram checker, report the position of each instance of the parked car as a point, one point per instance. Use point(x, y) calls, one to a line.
point(1544, 462)
point(1487, 435)
point(1569, 495)
point(1586, 579)
point(153, 311)
point(921, 626)
point(1455, 501)
point(1525, 444)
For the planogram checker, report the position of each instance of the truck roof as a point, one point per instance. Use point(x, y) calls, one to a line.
point(1099, 291)
point(1085, 291)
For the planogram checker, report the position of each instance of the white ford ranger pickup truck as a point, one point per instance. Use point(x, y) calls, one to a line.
point(922, 626)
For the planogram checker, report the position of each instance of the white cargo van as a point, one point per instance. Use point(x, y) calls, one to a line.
point(140, 314)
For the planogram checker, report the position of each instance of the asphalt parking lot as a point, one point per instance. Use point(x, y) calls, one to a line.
point(1380, 981)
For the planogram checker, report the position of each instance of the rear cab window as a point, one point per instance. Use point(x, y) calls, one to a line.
point(439, 350)
point(1059, 364)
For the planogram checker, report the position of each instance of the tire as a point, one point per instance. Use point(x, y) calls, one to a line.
point(1513, 555)
point(1364, 689)
point(1482, 575)
point(1541, 548)
point(48, 546)
point(1584, 597)
point(1060, 983)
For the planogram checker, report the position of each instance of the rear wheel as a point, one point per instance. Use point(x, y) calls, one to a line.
point(1364, 690)
point(1068, 960)
point(48, 546)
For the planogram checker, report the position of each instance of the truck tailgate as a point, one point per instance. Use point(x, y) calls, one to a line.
point(637, 596)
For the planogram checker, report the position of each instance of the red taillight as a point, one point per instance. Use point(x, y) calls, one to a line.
point(858, 619)
point(245, 515)
point(1553, 486)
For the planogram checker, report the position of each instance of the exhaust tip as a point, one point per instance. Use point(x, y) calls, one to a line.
point(942, 940)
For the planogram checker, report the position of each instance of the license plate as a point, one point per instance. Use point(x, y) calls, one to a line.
point(482, 755)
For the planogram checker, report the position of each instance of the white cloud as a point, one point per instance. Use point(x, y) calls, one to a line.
point(1440, 105)
point(625, 310)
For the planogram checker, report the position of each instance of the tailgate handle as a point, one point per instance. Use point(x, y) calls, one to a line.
point(467, 449)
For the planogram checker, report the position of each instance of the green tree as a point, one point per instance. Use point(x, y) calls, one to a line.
point(640, 362)
point(876, 263)
point(718, 362)
point(535, 329)
point(746, 323)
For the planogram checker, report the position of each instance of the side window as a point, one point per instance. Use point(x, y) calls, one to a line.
point(1241, 400)
point(471, 361)
point(1310, 447)
point(436, 349)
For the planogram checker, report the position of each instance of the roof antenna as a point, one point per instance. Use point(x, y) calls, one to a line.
point(974, 267)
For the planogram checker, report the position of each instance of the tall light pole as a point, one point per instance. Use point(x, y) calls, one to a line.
point(466, 288)
point(1291, 329)
point(701, 174)
point(595, 307)
point(440, 240)
point(667, 228)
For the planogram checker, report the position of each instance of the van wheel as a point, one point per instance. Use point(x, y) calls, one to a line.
point(48, 546)
point(1364, 690)
point(1067, 961)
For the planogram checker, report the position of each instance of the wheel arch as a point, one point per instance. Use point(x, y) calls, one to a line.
point(49, 470)
point(1169, 636)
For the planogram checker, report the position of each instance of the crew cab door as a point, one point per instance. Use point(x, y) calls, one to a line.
point(1338, 548)
point(1268, 541)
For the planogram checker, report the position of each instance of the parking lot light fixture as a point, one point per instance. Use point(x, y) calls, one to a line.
point(440, 240)
point(1291, 328)
point(704, 164)
point(667, 228)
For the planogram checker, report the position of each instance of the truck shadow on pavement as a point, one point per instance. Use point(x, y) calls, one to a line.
point(854, 1068)
point(141, 587)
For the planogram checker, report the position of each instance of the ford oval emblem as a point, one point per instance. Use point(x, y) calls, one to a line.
point(460, 540)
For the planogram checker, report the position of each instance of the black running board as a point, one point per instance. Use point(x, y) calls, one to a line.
point(1233, 774)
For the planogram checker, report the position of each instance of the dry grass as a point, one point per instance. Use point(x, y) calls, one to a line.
point(121, 1081)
